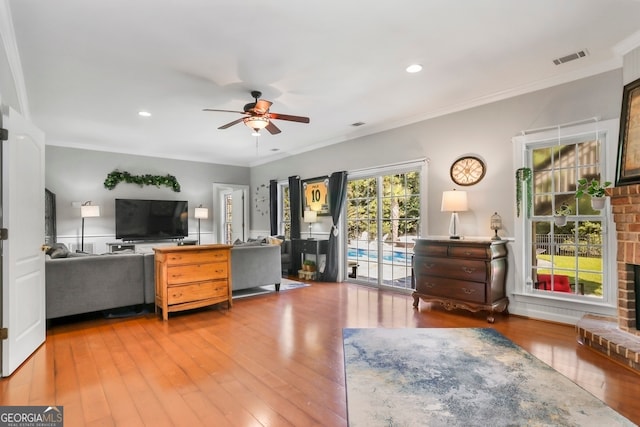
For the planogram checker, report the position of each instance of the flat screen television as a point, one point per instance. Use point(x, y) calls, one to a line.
point(151, 219)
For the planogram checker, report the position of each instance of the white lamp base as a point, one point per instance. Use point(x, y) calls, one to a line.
point(454, 225)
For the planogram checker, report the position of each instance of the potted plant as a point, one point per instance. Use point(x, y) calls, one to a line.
point(560, 216)
point(309, 265)
point(595, 189)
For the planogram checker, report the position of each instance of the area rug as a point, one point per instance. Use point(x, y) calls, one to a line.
point(459, 377)
point(285, 285)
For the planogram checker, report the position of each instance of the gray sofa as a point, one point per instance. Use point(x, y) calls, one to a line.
point(255, 265)
point(84, 284)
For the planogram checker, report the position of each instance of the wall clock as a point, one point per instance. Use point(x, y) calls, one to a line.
point(262, 199)
point(467, 170)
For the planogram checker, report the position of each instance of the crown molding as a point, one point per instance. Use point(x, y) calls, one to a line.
point(628, 44)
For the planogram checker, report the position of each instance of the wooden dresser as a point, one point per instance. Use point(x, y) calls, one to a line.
point(467, 274)
point(192, 276)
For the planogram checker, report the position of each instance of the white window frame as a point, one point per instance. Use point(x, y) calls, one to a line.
point(550, 301)
point(281, 223)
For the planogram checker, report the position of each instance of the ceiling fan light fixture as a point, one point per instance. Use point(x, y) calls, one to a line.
point(414, 68)
point(256, 122)
point(256, 132)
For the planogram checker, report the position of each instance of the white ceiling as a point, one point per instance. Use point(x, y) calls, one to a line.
point(90, 66)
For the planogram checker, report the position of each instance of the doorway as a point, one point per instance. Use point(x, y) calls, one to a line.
point(383, 218)
point(231, 212)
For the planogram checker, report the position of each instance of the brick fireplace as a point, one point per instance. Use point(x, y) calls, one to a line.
point(619, 338)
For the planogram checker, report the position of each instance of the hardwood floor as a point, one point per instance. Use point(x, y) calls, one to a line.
point(273, 360)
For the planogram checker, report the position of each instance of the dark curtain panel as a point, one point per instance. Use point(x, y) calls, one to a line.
point(337, 195)
point(296, 204)
point(273, 206)
point(50, 235)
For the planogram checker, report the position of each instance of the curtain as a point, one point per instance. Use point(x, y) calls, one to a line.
point(337, 195)
point(295, 204)
point(273, 206)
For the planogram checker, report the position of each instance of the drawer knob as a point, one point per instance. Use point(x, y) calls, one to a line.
point(468, 270)
point(468, 291)
point(428, 266)
point(467, 253)
point(429, 285)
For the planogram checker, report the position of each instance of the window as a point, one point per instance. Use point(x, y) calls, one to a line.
point(228, 216)
point(284, 211)
point(567, 260)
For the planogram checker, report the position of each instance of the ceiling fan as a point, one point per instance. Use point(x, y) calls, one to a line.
point(257, 116)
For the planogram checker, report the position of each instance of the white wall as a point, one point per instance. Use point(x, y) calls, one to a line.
point(485, 131)
point(76, 175)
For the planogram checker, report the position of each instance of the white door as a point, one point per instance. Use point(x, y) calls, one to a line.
point(23, 285)
point(238, 217)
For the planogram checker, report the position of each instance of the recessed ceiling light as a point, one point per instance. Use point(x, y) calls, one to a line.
point(144, 113)
point(414, 68)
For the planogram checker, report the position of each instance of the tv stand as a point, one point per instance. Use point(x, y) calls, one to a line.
point(147, 245)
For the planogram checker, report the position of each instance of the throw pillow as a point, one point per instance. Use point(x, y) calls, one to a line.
point(272, 240)
point(58, 250)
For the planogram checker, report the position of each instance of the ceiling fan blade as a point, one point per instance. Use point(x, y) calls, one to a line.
point(298, 119)
point(262, 106)
point(223, 111)
point(228, 125)
point(273, 129)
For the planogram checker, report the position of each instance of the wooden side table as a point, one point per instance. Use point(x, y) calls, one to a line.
point(302, 247)
point(190, 277)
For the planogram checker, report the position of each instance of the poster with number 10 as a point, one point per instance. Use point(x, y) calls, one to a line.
point(315, 195)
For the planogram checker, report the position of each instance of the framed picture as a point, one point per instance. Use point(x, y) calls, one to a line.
point(628, 169)
point(315, 195)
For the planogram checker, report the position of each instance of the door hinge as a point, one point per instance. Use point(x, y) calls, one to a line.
point(4, 134)
point(4, 333)
point(4, 234)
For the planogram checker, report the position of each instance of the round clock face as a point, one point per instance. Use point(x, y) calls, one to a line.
point(467, 170)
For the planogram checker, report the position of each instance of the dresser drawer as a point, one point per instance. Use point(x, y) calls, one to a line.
point(177, 258)
point(179, 274)
point(453, 289)
point(197, 291)
point(473, 270)
point(469, 252)
point(432, 250)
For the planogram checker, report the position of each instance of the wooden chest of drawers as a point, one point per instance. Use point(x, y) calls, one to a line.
point(190, 277)
point(468, 274)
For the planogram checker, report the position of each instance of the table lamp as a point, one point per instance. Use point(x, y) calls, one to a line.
point(200, 213)
point(454, 201)
point(310, 217)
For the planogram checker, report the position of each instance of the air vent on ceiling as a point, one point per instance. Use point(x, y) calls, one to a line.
point(570, 57)
point(356, 124)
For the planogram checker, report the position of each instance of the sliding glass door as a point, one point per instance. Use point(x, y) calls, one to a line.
point(383, 217)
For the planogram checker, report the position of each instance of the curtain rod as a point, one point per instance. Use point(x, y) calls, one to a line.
point(577, 122)
point(408, 162)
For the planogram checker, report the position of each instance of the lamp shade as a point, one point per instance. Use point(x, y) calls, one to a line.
point(454, 201)
point(87, 211)
point(310, 216)
point(256, 122)
point(201, 213)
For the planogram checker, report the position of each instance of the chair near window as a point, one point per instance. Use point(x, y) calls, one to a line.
point(559, 283)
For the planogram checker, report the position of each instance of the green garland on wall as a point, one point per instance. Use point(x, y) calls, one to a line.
point(116, 177)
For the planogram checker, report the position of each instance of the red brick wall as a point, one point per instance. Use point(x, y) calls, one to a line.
point(625, 206)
